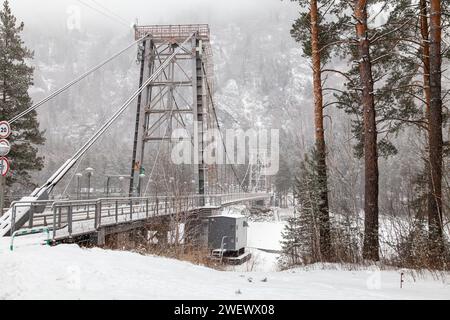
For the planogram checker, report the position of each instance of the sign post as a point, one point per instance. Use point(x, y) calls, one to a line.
point(5, 148)
point(4, 168)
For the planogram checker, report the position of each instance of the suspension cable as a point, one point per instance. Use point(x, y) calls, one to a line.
point(109, 11)
point(217, 122)
point(156, 161)
point(73, 82)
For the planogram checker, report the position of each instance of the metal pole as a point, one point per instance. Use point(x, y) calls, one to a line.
point(107, 186)
point(13, 219)
point(198, 85)
point(99, 209)
point(88, 194)
point(117, 212)
point(54, 222)
point(157, 206)
point(89, 186)
point(59, 216)
point(69, 222)
point(2, 193)
point(131, 209)
point(78, 188)
point(138, 118)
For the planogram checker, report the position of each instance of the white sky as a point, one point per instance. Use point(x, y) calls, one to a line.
point(54, 13)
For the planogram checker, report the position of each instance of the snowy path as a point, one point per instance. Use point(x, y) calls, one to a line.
point(66, 271)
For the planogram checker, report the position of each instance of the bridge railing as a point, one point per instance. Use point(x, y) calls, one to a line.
point(84, 216)
point(39, 213)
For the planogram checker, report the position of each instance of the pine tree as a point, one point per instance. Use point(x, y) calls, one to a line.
point(301, 237)
point(316, 36)
point(292, 244)
point(422, 52)
point(16, 76)
point(283, 181)
point(380, 90)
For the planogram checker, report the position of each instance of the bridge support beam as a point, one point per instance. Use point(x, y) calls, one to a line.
point(147, 63)
point(101, 237)
point(199, 113)
point(165, 106)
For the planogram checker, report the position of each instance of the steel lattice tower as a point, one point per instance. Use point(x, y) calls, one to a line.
point(178, 98)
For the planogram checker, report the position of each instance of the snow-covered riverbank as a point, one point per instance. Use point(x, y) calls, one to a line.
point(68, 272)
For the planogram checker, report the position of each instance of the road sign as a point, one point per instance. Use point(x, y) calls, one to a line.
point(5, 148)
point(4, 166)
point(5, 129)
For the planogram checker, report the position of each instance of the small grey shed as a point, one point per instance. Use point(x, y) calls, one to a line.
point(232, 230)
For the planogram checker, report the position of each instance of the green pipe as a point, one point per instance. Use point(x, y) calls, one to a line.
point(28, 232)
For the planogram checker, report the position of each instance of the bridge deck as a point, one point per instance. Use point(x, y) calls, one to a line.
point(68, 219)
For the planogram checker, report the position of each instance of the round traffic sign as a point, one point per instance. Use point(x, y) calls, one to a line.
point(4, 166)
point(5, 129)
point(5, 148)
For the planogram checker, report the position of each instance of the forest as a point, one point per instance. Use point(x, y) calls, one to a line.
point(394, 81)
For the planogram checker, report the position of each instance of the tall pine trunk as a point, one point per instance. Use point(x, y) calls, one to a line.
point(425, 34)
point(324, 228)
point(435, 134)
point(425, 30)
point(2, 193)
point(371, 244)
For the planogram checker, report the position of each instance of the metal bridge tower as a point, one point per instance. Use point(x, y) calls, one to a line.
point(178, 98)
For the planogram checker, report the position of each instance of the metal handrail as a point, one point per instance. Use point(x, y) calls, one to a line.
point(62, 214)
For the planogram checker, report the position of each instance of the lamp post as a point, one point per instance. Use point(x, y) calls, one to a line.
point(156, 182)
point(79, 176)
point(141, 176)
point(121, 179)
point(150, 183)
point(89, 171)
point(171, 180)
point(141, 179)
point(108, 178)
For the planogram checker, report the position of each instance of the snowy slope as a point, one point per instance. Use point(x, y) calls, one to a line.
point(66, 271)
point(265, 235)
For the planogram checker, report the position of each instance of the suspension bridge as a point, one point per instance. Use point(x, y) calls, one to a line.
point(175, 91)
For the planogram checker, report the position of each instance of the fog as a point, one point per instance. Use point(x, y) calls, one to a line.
point(115, 14)
point(260, 75)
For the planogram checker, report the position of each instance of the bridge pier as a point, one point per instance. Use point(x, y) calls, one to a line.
point(101, 237)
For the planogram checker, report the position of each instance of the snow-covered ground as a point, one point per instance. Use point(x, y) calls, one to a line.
point(265, 235)
point(34, 271)
point(67, 271)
